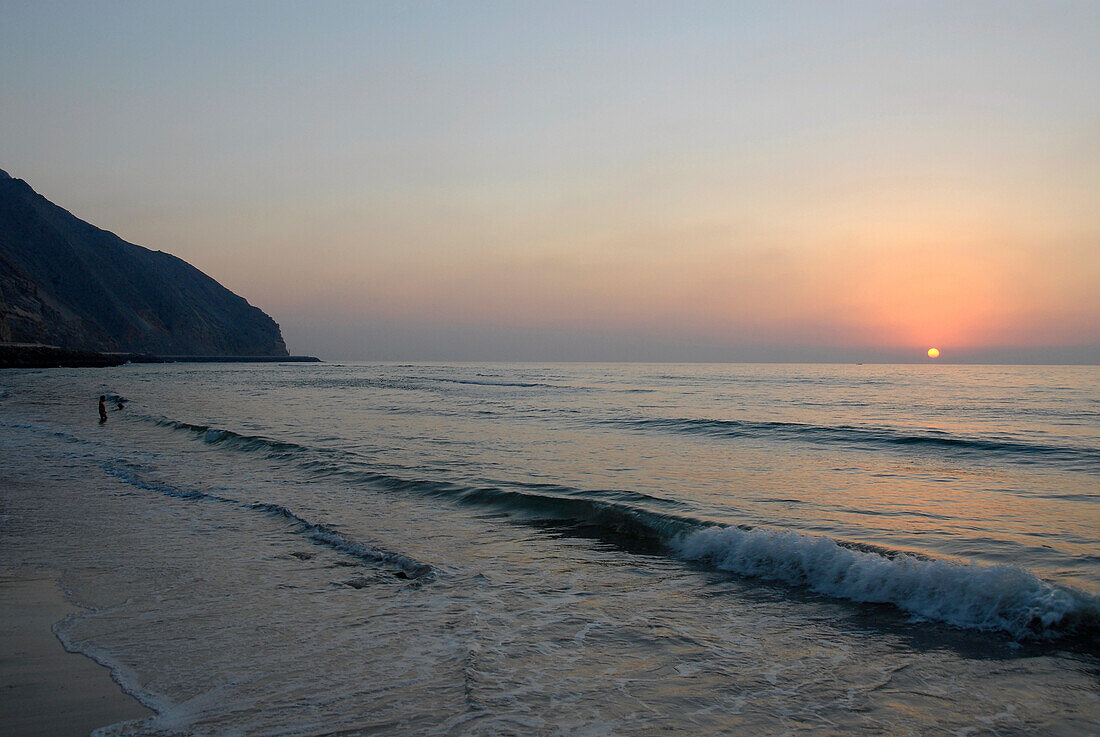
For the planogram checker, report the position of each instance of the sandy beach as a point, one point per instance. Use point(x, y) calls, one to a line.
point(47, 690)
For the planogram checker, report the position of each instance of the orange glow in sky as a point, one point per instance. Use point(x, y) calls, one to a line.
point(725, 181)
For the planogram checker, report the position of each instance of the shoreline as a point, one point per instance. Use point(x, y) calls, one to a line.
point(46, 689)
point(32, 355)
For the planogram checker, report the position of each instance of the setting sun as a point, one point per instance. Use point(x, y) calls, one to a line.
point(933, 352)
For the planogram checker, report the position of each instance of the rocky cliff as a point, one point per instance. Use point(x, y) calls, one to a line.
point(68, 283)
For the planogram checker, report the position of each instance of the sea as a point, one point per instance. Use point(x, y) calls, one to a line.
point(570, 549)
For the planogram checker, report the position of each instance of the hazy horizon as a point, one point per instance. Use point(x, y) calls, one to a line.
point(810, 182)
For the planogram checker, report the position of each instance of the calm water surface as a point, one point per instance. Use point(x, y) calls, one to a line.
point(572, 549)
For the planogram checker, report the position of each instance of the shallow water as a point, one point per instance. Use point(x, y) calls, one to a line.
point(572, 549)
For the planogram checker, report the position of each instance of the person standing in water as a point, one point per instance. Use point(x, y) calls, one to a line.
point(103, 408)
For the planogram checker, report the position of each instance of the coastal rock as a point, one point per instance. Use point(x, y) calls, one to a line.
point(67, 283)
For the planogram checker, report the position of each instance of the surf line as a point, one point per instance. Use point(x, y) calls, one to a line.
point(316, 533)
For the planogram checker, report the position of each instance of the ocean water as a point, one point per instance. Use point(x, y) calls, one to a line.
point(571, 549)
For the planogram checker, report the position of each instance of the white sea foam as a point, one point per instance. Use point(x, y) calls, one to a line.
point(993, 598)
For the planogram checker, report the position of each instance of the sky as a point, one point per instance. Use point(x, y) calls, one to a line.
point(642, 181)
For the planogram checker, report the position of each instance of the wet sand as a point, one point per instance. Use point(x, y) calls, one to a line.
point(44, 689)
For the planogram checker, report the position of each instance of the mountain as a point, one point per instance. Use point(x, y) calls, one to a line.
point(67, 283)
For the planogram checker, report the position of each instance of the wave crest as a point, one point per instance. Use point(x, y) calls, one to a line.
point(317, 533)
point(235, 441)
point(325, 535)
point(997, 598)
point(1010, 448)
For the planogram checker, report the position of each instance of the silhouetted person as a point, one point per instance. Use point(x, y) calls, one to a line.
point(103, 408)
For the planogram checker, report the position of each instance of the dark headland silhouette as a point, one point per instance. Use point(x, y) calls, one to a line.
point(76, 292)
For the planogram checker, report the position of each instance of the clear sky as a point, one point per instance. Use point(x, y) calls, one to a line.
point(590, 180)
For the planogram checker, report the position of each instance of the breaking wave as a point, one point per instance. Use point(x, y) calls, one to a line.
point(996, 598)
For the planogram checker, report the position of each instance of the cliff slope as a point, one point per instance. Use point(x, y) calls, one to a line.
point(68, 283)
